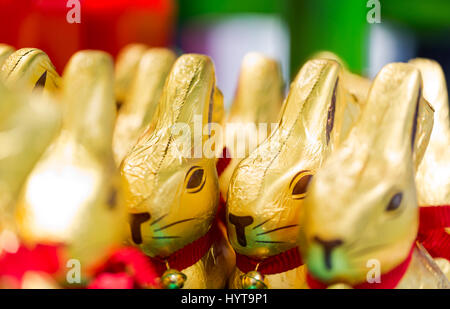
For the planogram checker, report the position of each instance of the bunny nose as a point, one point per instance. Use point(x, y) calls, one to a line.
point(240, 222)
point(328, 247)
point(136, 221)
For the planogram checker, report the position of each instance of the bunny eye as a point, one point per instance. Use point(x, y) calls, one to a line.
point(395, 202)
point(195, 179)
point(299, 184)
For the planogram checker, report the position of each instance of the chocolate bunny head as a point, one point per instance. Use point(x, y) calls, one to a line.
point(361, 205)
point(173, 185)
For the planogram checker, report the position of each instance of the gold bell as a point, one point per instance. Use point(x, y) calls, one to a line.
point(253, 280)
point(173, 279)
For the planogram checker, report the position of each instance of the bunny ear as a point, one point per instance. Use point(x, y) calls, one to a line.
point(88, 96)
point(435, 92)
point(126, 67)
point(30, 68)
point(310, 109)
point(188, 95)
point(394, 106)
point(218, 111)
point(259, 93)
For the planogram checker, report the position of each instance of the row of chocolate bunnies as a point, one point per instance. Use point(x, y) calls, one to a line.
point(101, 187)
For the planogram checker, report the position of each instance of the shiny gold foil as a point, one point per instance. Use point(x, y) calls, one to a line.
point(27, 125)
point(362, 204)
point(433, 175)
point(141, 101)
point(173, 194)
point(259, 95)
point(31, 69)
point(268, 187)
point(74, 194)
point(125, 70)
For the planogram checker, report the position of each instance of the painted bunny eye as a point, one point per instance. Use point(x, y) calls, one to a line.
point(395, 202)
point(299, 184)
point(195, 179)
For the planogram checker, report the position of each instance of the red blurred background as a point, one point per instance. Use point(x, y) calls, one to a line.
point(105, 24)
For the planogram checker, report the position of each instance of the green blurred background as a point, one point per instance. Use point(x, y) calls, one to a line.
point(293, 30)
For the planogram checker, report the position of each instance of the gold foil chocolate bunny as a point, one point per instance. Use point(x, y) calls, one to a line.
point(142, 100)
point(268, 187)
point(258, 100)
point(433, 175)
point(360, 219)
point(32, 69)
point(73, 197)
point(173, 184)
point(27, 125)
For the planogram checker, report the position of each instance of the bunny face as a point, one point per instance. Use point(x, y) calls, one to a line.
point(174, 196)
point(26, 129)
point(268, 224)
point(362, 204)
point(267, 188)
point(180, 208)
point(354, 217)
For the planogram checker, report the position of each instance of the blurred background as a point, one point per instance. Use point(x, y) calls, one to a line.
point(289, 30)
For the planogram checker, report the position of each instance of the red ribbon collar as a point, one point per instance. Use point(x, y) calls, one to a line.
point(276, 264)
point(188, 255)
point(432, 234)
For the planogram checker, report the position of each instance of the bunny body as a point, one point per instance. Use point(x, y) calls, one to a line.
point(258, 100)
point(140, 104)
point(28, 125)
